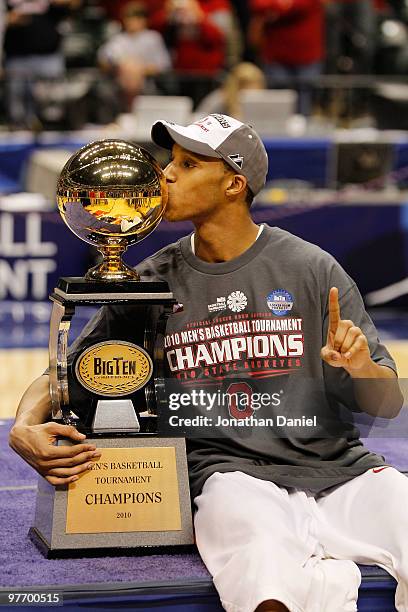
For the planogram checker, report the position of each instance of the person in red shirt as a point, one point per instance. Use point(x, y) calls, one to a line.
point(194, 32)
point(289, 37)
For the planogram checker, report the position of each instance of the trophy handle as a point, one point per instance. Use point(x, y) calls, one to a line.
point(112, 267)
point(148, 343)
point(61, 316)
point(159, 359)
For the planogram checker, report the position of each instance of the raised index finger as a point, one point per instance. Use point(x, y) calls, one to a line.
point(334, 310)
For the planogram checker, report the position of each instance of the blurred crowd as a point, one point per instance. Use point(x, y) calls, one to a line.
point(68, 62)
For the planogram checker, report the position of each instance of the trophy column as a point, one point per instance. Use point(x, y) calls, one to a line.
point(136, 497)
point(61, 315)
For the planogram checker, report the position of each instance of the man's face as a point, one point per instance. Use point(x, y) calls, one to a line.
point(134, 24)
point(197, 185)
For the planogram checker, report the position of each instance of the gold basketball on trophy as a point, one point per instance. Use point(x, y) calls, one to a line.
point(112, 194)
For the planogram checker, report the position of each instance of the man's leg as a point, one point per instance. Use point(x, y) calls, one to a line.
point(366, 520)
point(255, 540)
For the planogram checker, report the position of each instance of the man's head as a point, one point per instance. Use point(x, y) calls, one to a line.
point(134, 17)
point(229, 154)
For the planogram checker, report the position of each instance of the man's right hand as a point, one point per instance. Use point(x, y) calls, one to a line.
point(59, 465)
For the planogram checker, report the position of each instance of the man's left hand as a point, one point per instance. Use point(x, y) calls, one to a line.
point(346, 345)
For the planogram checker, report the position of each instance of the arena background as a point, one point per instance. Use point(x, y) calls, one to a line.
point(329, 96)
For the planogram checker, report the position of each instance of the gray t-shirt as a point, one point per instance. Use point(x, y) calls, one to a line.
point(146, 47)
point(259, 321)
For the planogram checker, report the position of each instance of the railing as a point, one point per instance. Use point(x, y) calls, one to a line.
point(85, 96)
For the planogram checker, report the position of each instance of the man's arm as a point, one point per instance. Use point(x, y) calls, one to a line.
point(34, 439)
point(376, 386)
point(377, 391)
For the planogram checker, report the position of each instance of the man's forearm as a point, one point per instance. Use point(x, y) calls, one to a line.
point(377, 390)
point(35, 405)
point(34, 436)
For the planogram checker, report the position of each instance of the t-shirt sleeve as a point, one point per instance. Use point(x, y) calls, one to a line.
point(338, 382)
point(352, 308)
point(107, 53)
point(159, 55)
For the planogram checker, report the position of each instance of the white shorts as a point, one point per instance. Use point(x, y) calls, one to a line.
point(260, 541)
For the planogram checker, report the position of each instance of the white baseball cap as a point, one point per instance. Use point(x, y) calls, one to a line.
point(219, 136)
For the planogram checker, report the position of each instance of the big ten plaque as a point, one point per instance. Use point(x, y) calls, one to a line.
point(110, 383)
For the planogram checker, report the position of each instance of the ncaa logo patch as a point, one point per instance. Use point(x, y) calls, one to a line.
point(280, 302)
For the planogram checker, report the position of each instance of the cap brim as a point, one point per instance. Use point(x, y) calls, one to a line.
point(165, 134)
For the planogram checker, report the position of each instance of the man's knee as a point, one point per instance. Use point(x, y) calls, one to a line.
point(271, 605)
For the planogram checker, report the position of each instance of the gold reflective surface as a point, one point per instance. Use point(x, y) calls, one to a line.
point(112, 194)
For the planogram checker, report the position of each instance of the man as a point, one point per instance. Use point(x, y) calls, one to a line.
point(289, 38)
point(136, 54)
point(195, 31)
point(32, 48)
point(282, 515)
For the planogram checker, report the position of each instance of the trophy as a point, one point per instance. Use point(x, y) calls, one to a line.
point(112, 194)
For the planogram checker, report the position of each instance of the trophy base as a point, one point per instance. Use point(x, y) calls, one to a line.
point(148, 428)
point(134, 500)
point(74, 553)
